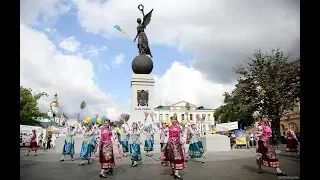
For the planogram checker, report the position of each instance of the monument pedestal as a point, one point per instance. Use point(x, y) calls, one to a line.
point(142, 96)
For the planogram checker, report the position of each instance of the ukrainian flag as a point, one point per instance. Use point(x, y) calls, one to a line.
point(119, 29)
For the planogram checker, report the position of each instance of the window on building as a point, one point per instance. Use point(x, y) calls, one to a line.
point(203, 116)
point(161, 117)
point(182, 116)
point(208, 115)
point(167, 116)
point(191, 116)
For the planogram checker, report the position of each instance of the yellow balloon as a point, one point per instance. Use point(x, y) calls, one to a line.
point(116, 129)
point(122, 130)
point(88, 119)
point(99, 120)
point(184, 122)
point(168, 121)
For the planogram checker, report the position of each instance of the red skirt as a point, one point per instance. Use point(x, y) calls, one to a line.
point(174, 155)
point(291, 145)
point(266, 154)
point(106, 156)
point(33, 146)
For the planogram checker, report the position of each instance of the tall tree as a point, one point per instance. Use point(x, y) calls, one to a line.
point(270, 84)
point(29, 111)
point(234, 110)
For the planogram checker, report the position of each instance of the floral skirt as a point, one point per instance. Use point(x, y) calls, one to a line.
point(86, 151)
point(68, 148)
point(196, 150)
point(106, 155)
point(291, 145)
point(148, 145)
point(125, 146)
point(135, 153)
point(33, 146)
point(174, 156)
point(266, 154)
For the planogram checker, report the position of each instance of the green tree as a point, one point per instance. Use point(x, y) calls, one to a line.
point(234, 110)
point(269, 84)
point(29, 111)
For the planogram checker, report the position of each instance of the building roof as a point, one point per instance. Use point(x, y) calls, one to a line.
point(168, 108)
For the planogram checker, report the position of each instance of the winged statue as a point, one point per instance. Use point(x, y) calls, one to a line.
point(143, 44)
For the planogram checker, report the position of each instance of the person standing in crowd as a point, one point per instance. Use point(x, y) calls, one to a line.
point(68, 148)
point(134, 141)
point(40, 140)
point(49, 142)
point(106, 155)
point(196, 149)
point(233, 140)
point(252, 140)
point(33, 143)
point(266, 154)
point(163, 133)
point(86, 147)
point(248, 140)
point(292, 141)
point(124, 139)
point(174, 148)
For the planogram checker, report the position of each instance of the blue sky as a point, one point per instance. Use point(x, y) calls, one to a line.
point(71, 47)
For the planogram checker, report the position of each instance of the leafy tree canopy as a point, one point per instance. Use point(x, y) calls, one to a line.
point(269, 84)
point(29, 111)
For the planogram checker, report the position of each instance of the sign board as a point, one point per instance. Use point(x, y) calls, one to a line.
point(227, 126)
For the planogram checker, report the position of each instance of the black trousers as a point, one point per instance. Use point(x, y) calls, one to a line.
point(48, 144)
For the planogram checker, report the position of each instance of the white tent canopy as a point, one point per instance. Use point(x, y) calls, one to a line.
point(28, 129)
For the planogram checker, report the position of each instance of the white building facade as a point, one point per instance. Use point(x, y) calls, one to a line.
point(163, 113)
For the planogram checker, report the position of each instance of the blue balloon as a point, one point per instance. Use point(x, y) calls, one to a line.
point(94, 120)
point(182, 124)
point(122, 126)
point(103, 118)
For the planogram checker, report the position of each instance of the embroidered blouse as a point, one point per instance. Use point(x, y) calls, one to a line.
point(263, 131)
point(88, 135)
point(134, 137)
point(194, 134)
point(174, 134)
point(291, 135)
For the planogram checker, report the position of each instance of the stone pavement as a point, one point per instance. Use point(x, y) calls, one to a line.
point(233, 165)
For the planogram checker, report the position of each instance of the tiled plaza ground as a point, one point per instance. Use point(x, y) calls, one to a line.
point(234, 165)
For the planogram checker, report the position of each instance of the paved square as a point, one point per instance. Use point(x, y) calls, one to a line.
point(234, 165)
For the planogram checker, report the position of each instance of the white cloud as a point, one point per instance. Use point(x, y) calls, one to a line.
point(106, 67)
point(70, 44)
point(218, 33)
point(44, 68)
point(184, 83)
point(48, 10)
point(118, 60)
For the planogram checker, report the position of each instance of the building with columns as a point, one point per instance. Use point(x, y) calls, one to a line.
point(186, 111)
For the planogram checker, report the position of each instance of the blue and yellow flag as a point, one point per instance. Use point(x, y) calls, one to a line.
point(120, 29)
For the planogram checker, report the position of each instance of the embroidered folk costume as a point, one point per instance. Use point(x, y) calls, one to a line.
point(68, 147)
point(266, 154)
point(196, 149)
point(87, 147)
point(134, 141)
point(106, 154)
point(163, 133)
point(33, 143)
point(174, 148)
point(124, 139)
point(148, 143)
point(292, 141)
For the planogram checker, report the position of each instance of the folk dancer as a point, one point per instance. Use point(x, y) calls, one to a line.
point(106, 154)
point(163, 133)
point(292, 141)
point(148, 143)
point(94, 142)
point(174, 148)
point(196, 149)
point(86, 148)
point(68, 147)
point(266, 154)
point(134, 141)
point(124, 139)
point(33, 143)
